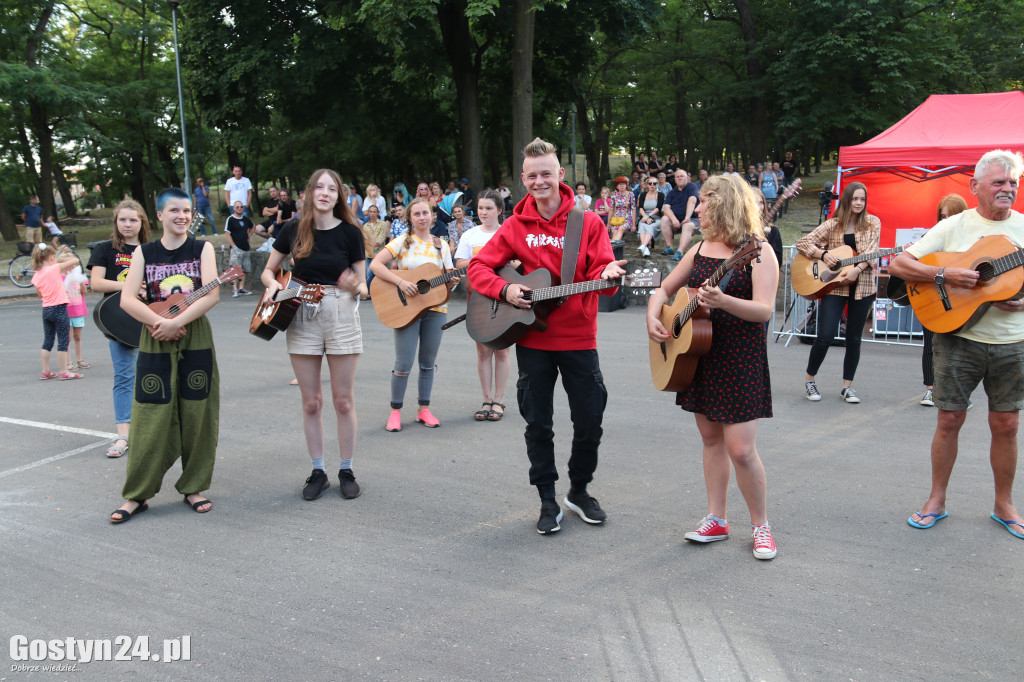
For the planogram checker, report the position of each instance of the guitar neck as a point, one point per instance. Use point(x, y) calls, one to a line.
point(285, 294)
point(869, 256)
point(776, 207)
point(1008, 262)
point(714, 280)
point(563, 290)
point(447, 276)
point(200, 292)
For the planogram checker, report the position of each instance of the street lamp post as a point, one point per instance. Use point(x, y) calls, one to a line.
point(181, 98)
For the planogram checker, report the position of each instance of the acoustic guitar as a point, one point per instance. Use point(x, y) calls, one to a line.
point(498, 325)
point(274, 316)
point(397, 310)
point(812, 279)
point(115, 323)
point(1000, 278)
point(177, 303)
point(674, 361)
point(787, 193)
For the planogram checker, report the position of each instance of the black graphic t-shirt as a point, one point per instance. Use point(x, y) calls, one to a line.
point(171, 272)
point(114, 262)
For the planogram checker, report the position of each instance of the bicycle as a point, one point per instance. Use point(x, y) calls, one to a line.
point(20, 271)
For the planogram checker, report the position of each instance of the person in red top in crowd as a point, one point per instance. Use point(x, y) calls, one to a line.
point(534, 235)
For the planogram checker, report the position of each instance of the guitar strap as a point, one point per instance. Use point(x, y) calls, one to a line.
point(571, 244)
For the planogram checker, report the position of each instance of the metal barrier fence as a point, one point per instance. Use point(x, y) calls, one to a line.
point(794, 316)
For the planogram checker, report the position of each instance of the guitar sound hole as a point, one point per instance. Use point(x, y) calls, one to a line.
point(677, 327)
point(985, 272)
point(423, 286)
point(174, 310)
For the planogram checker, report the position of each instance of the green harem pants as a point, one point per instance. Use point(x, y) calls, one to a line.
point(175, 413)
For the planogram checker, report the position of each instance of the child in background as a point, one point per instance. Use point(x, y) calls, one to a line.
point(55, 233)
point(603, 205)
point(48, 283)
point(74, 285)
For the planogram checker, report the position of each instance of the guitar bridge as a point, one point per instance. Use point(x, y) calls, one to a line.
point(494, 308)
point(401, 297)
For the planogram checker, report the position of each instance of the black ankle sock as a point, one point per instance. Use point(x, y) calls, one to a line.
point(546, 491)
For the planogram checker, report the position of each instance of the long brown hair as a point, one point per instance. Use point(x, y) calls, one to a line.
point(408, 218)
point(130, 205)
point(953, 203)
point(303, 245)
point(844, 211)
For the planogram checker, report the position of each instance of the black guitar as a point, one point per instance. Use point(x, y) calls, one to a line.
point(115, 323)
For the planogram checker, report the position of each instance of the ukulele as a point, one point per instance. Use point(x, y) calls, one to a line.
point(275, 315)
point(812, 279)
point(397, 310)
point(674, 361)
point(176, 303)
point(949, 309)
point(498, 325)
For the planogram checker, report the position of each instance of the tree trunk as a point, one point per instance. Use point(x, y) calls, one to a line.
point(8, 230)
point(590, 150)
point(604, 138)
point(754, 75)
point(465, 61)
point(522, 89)
point(39, 119)
point(65, 191)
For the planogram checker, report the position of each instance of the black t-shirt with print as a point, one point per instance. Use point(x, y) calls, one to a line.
point(172, 271)
point(114, 262)
point(239, 229)
point(334, 251)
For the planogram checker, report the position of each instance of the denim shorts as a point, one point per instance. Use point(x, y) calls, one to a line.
point(961, 364)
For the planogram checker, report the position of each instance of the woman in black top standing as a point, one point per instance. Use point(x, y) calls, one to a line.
point(327, 248)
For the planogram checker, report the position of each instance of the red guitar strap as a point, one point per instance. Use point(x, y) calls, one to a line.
point(571, 244)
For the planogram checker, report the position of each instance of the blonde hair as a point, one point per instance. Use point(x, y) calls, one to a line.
point(130, 205)
point(42, 253)
point(303, 244)
point(539, 148)
point(953, 203)
point(731, 214)
point(408, 213)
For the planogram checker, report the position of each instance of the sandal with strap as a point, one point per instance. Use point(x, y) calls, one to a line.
point(199, 503)
point(68, 376)
point(482, 414)
point(125, 515)
point(494, 415)
point(83, 365)
point(118, 450)
point(47, 375)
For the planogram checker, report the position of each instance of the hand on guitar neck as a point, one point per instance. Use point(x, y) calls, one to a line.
point(516, 293)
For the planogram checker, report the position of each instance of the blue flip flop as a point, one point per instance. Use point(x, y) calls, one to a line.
point(936, 518)
point(1007, 525)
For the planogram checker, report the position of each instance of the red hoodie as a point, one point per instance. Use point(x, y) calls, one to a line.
point(537, 243)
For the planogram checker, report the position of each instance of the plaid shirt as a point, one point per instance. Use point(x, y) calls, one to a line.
point(829, 235)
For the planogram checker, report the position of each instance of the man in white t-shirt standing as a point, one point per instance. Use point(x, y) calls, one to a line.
point(238, 188)
point(990, 351)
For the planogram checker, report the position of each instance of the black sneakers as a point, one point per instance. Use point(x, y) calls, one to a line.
point(316, 484)
point(586, 506)
point(349, 487)
point(550, 517)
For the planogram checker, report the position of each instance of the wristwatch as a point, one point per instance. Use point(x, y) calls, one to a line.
point(940, 276)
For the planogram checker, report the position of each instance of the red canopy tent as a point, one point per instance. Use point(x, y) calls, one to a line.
point(930, 153)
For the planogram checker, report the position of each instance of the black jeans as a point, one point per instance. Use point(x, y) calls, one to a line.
point(584, 386)
point(830, 311)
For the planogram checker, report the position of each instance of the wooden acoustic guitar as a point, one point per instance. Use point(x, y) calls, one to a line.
point(498, 325)
point(115, 323)
point(397, 310)
point(1000, 278)
point(812, 279)
point(275, 315)
point(674, 361)
point(177, 303)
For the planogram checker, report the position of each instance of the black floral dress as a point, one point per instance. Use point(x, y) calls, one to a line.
point(731, 384)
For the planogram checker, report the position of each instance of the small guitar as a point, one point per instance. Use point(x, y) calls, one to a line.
point(1001, 278)
point(275, 316)
point(175, 304)
point(674, 361)
point(497, 324)
point(812, 279)
point(115, 323)
point(397, 310)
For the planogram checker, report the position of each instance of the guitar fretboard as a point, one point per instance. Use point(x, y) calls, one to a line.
point(547, 293)
point(1007, 262)
point(853, 260)
point(446, 277)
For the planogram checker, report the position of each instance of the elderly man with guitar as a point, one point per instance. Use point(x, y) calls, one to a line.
point(955, 266)
point(545, 232)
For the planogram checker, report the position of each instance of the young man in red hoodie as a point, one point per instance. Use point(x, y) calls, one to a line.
point(534, 235)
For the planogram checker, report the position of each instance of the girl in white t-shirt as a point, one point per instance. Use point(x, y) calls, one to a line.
point(492, 365)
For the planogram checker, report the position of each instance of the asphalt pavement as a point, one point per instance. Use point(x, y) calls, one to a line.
point(436, 571)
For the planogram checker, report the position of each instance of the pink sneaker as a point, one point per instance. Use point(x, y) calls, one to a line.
point(424, 417)
point(764, 545)
point(711, 529)
point(394, 421)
